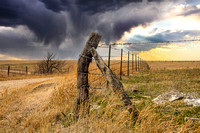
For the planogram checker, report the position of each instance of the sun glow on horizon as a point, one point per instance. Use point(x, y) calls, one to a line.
point(172, 23)
point(6, 57)
point(174, 52)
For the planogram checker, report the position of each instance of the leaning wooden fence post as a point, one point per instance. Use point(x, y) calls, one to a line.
point(115, 84)
point(8, 70)
point(84, 60)
point(121, 64)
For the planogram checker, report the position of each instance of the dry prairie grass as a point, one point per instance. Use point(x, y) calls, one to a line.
point(18, 69)
point(158, 65)
point(48, 106)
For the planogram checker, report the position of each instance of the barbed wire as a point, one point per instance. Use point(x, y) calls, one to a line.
point(115, 63)
point(90, 73)
point(111, 56)
point(157, 42)
point(96, 80)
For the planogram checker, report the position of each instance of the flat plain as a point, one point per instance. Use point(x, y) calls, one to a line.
point(45, 103)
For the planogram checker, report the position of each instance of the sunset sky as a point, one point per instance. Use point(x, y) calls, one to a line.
point(30, 28)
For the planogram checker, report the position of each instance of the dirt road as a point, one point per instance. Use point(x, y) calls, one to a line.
point(15, 84)
point(20, 99)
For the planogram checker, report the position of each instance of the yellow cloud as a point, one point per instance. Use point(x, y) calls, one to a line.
point(6, 57)
point(188, 51)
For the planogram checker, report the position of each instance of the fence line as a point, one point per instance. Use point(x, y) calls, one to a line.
point(11, 70)
point(125, 64)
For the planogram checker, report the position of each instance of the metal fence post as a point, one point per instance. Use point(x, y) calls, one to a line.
point(136, 62)
point(8, 70)
point(109, 56)
point(132, 63)
point(121, 64)
point(109, 61)
point(26, 70)
point(128, 64)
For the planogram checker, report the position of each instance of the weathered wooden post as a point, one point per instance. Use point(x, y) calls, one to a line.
point(115, 84)
point(84, 60)
point(128, 65)
point(109, 52)
point(109, 55)
point(8, 70)
point(132, 63)
point(26, 70)
point(138, 63)
point(135, 63)
point(121, 64)
point(142, 64)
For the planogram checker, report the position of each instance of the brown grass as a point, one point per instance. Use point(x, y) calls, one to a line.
point(39, 107)
point(158, 65)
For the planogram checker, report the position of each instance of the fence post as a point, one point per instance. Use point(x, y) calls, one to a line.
point(128, 64)
point(142, 64)
point(115, 84)
point(26, 70)
point(138, 63)
point(109, 56)
point(121, 64)
point(135, 62)
point(84, 61)
point(8, 70)
point(109, 60)
point(132, 63)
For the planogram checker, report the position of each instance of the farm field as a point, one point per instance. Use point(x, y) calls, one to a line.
point(18, 69)
point(45, 103)
point(158, 65)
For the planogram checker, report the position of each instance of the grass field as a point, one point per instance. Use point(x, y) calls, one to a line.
point(47, 105)
point(158, 65)
point(18, 69)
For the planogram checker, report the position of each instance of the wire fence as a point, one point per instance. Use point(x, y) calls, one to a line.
point(122, 64)
point(14, 70)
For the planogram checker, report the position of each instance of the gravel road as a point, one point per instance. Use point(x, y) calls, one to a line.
point(20, 83)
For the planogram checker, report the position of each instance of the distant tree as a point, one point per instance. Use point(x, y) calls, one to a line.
point(49, 65)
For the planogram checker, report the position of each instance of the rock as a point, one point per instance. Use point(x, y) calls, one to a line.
point(193, 119)
point(93, 107)
point(175, 97)
point(189, 98)
point(191, 95)
point(195, 102)
point(135, 91)
point(168, 97)
point(146, 96)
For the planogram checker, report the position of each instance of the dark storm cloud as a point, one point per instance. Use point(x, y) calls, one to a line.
point(190, 9)
point(48, 26)
point(191, 12)
point(14, 44)
point(68, 23)
point(91, 6)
